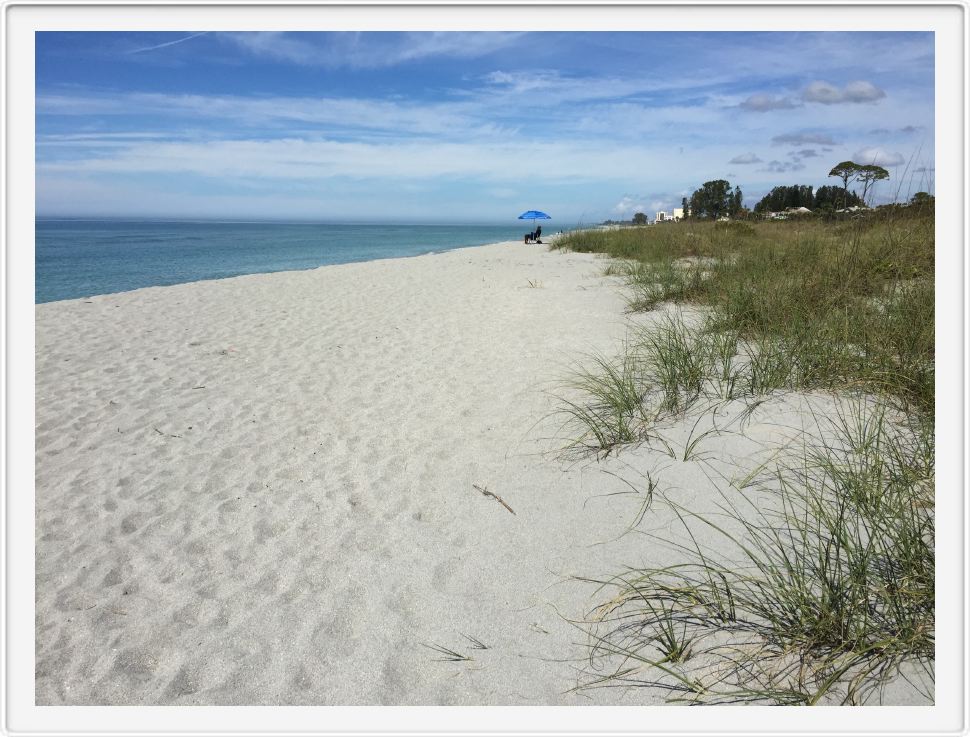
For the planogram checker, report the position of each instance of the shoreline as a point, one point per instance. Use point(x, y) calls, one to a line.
point(435, 252)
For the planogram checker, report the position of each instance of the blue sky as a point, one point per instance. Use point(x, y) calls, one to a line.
point(466, 127)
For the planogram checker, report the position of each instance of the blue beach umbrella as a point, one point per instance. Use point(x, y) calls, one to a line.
point(534, 215)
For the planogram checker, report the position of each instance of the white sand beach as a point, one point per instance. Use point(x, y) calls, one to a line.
point(267, 489)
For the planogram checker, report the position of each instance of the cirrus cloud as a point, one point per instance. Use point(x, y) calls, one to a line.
point(378, 50)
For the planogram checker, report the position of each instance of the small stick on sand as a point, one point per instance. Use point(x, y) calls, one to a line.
point(496, 497)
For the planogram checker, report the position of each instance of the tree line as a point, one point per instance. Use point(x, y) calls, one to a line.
point(716, 199)
point(804, 195)
point(713, 200)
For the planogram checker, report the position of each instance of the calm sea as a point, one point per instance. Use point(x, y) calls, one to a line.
point(80, 258)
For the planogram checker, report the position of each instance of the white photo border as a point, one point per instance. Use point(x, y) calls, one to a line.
point(20, 20)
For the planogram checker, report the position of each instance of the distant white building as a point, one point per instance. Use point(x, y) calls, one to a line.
point(665, 217)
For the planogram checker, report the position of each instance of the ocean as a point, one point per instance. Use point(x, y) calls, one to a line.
point(80, 258)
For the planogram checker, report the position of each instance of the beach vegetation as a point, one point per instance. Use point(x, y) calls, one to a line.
point(829, 198)
point(868, 175)
point(476, 644)
point(922, 198)
point(846, 171)
point(811, 304)
point(814, 581)
point(715, 198)
point(825, 199)
point(447, 654)
point(865, 174)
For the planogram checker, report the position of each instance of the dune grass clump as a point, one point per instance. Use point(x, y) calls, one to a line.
point(814, 583)
point(678, 360)
point(665, 281)
point(661, 372)
point(612, 410)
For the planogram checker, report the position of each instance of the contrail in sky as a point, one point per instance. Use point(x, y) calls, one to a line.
point(168, 43)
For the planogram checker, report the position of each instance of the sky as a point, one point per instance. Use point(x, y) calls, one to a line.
point(466, 127)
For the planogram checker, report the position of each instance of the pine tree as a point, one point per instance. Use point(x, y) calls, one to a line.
point(845, 171)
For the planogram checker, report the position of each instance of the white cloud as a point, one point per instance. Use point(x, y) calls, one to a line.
point(322, 159)
point(822, 92)
point(359, 113)
point(854, 92)
point(519, 82)
point(764, 103)
point(862, 91)
point(629, 205)
point(277, 45)
point(878, 156)
point(632, 120)
point(99, 140)
point(749, 158)
point(800, 139)
point(372, 50)
point(547, 87)
point(479, 114)
point(781, 167)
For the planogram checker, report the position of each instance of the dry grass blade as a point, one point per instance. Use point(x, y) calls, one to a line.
point(449, 655)
point(475, 642)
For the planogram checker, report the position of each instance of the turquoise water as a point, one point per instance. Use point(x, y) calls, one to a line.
point(80, 258)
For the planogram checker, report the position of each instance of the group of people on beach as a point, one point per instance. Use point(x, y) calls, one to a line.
point(534, 237)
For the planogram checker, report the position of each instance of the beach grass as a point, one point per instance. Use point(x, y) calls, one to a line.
point(826, 590)
point(818, 305)
point(814, 583)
